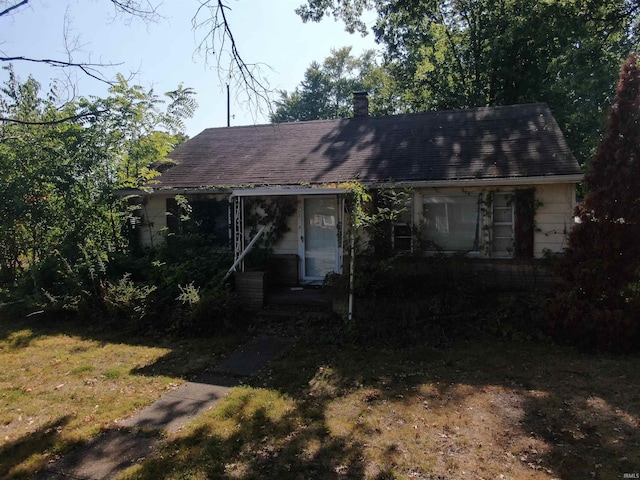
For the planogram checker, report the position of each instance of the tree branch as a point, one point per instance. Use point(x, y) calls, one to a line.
point(135, 8)
point(90, 69)
point(13, 7)
point(143, 9)
point(71, 118)
point(220, 42)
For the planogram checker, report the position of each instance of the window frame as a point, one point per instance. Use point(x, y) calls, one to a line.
point(510, 206)
point(404, 222)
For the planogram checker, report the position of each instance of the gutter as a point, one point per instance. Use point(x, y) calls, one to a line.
point(481, 182)
point(298, 190)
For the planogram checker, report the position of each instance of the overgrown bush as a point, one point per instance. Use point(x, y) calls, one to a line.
point(433, 300)
point(58, 285)
point(127, 300)
point(176, 288)
point(187, 295)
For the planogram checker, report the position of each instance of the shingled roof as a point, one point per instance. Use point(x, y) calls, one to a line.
point(512, 142)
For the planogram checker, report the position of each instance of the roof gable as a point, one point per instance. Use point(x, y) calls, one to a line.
point(483, 143)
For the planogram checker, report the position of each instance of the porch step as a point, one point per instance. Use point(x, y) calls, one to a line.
point(302, 298)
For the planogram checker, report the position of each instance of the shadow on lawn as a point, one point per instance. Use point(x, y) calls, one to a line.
point(45, 438)
point(558, 414)
point(590, 421)
point(259, 448)
point(184, 359)
point(187, 356)
point(564, 414)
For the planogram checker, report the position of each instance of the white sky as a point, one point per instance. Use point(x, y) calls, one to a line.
point(163, 53)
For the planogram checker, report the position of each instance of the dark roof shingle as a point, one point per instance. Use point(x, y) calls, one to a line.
point(482, 143)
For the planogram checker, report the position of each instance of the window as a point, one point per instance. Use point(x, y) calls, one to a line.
point(211, 217)
point(451, 222)
point(402, 237)
point(402, 228)
point(502, 224)
point(206, 216)
point(496, 224)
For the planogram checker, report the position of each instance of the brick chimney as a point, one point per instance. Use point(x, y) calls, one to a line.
point(360, 104)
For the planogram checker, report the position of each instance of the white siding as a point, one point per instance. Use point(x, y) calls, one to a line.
point(554, 217)
point(553, 220)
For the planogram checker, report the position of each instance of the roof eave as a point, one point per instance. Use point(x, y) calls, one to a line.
point(486, 182)
point(319, 189)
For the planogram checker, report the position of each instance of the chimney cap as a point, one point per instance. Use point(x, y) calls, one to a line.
point(361, 93)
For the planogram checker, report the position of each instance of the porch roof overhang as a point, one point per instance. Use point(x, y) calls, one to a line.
point(280, 191)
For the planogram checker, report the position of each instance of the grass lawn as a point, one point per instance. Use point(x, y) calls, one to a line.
point(482, 409)
point(61, 384)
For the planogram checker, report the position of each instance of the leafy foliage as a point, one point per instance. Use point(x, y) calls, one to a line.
point(273, 212)
point(326, 90)
point(179, 286)
point(449, 54)
point(60, 222)
point(599, 302)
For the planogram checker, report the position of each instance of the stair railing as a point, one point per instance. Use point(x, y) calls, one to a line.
point(244, 253)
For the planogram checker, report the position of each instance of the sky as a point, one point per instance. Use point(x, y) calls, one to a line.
point(162, 54)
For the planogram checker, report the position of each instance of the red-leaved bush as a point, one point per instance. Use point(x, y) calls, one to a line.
point(597, 304)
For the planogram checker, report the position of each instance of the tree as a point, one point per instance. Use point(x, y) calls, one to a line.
point(327, 88)
point(311, 101)
point(57, 178)
point(448, 54)
point(599, 302)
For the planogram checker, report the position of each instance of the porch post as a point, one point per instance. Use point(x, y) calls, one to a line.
point(352, 266)
point(238, 229)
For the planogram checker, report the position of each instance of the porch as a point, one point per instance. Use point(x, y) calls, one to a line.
point(304, 245)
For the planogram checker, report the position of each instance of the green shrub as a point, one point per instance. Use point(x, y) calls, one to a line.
point(126, 299)
point(217, 311)
point(186, 274)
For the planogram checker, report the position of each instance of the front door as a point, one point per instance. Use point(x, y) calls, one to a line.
point(319, 237)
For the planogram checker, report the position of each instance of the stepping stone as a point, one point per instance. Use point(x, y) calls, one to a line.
point(176, 408)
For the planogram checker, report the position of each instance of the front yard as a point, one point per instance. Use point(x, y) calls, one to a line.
point(62, 383)
point(478, 410)
point(482, 409)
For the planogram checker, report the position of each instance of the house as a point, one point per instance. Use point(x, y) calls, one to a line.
point(494, 183)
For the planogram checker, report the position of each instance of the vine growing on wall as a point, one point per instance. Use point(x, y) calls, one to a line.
point(372, 212)
point(525, 204)
point(273, 212)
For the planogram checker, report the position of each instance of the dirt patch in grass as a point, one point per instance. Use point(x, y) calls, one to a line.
point(476, 410)
point(63, 383)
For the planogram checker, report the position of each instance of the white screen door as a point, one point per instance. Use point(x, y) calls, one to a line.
point(319, 237)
